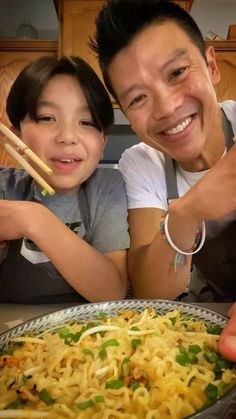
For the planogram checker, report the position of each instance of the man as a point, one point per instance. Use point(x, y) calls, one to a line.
point(180, 178)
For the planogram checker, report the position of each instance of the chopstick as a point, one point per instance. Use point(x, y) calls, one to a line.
point(26, 150)
point(20, 159)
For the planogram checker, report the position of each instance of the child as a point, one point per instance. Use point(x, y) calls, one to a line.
point(70, 246)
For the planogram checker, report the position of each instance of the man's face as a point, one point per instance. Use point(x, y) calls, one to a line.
point(165, 89)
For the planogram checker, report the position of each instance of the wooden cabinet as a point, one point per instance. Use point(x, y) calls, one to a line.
point(14, 56)
point(77, 24)
point(186, 4)
point(226, 61)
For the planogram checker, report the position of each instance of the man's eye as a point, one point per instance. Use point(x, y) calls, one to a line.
point(178, 71)
point(136, 100)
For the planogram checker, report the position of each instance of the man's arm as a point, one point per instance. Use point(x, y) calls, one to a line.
point(151, 259)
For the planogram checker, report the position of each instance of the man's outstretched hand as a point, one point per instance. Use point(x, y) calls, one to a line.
point(227, 342)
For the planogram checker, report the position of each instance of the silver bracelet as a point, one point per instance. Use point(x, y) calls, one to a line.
point(174, 247)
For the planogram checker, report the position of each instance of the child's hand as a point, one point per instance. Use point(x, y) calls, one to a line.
point(16, 219)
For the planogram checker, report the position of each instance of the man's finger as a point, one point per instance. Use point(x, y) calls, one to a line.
point(227, 344)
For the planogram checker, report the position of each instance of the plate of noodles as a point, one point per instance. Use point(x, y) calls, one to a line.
point(130, 359)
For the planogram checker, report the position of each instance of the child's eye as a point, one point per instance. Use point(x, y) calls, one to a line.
point(87, 123)
point(46, 118)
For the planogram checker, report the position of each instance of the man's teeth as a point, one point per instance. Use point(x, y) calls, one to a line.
point(179, 127)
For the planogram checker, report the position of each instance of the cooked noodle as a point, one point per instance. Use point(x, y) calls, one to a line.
point(130, 365)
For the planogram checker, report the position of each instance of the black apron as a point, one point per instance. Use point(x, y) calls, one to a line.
point(213, 276)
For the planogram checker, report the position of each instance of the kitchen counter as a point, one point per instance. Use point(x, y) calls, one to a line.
point(13, 314)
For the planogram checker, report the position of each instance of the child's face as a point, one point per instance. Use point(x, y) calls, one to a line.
point(64, 135)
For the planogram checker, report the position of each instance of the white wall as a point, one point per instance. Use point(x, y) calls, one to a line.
point(214, 15)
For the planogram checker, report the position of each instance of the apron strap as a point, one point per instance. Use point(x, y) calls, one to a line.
point(84, 206)
point(171, 180)
point(228, 131)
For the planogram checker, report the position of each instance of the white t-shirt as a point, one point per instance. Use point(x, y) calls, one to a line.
point(143, 169)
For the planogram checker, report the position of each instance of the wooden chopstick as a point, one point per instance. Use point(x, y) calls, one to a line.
point(20, 159)
point(26, 150)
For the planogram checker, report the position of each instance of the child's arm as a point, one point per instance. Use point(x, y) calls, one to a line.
point(94, 275)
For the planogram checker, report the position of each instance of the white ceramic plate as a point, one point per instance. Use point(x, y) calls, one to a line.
point(224, 408)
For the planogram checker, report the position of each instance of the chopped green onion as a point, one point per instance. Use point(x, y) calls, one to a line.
point(182, 349)
point(102, 353)
point(182, 359)
point(44, 192)
point(194, 349)
point(135, 328)
point(211, 357)
point(134, 385)
point(9, 350)
point(87, 351)
point(16, 404)
point(135, 343)
point(99, 399)
point(214, 329)
point(110, 342)
point(115, 384)
point(192, 357)
point(63, 332)
point(45, 397)
point(173, 320)
point(211, 392)
point(102, 314)
point(69, 339)
point(85, 405)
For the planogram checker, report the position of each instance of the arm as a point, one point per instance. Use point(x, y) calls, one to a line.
point(212, 197)
point(150, 258)
point(94, 275)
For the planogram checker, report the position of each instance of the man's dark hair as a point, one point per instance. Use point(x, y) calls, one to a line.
point(119, 21)
point(28, 86)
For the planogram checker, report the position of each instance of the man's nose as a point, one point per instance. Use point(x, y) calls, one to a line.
point(166, 101)
point(67, 134)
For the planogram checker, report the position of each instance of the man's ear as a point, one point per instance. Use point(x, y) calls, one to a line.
point(212, 65)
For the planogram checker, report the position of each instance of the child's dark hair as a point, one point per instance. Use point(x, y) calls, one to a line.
point(27, 88)
point(120, 20)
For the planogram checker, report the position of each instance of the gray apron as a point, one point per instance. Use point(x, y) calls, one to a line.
point(23, 282)
point(213, 276)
